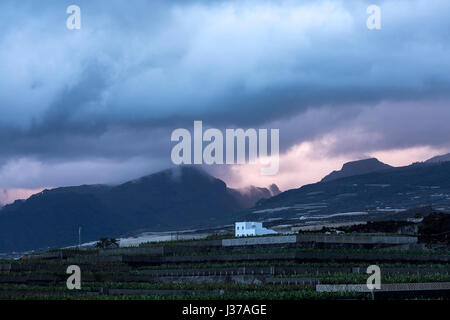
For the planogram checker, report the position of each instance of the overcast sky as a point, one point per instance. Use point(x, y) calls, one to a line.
point(98, 105)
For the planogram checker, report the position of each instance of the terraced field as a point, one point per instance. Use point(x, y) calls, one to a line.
point(198, 270)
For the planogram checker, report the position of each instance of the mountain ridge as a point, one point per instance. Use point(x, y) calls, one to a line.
point(184, 197)
point(398, 188)
point(439, 159)
point(357, 167)
point(188, 197)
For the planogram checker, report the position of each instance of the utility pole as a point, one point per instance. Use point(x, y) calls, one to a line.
point(79, 237)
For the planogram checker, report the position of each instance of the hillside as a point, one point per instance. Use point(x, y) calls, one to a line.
point(384, 191)
point(169, 200)
point(438, 159)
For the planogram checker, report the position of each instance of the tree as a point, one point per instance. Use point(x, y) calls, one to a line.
point(107, 243)
point(113, 242)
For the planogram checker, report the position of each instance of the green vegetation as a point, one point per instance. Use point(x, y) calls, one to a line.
point(314, 250)
point(358, 278)
point(291, 264)
point(160, 275)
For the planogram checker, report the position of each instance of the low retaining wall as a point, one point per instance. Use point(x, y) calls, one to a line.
point(293, 281)
point(347, 239)
point(95, 259)
point(30, 278)
point(343, 239)
point(258, 241)
point(157, 292)
point(389, 287)
point(5, 267)
point(119, 251)
point(290, 256)
point(373, 257)
point(269, 240)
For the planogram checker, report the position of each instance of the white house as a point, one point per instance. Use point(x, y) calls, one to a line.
point(243, 229)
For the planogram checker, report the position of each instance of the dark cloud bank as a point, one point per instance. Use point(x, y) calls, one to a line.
point(99, 104)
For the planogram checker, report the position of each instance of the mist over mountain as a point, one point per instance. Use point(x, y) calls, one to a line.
point(274, 190)
point(249, 196)
point(179, 198)
point(3, 197)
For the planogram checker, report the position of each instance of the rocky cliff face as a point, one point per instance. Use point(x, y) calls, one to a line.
point(354, 168)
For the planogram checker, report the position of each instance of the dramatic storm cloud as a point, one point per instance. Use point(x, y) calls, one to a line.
point(97, 105)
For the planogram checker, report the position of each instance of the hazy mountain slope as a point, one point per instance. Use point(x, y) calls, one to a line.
point(438, 159)
point(172, 199)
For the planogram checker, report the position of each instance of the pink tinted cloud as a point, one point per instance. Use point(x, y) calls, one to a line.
point(309, 162)
point(8, 196)
point(403, 157)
